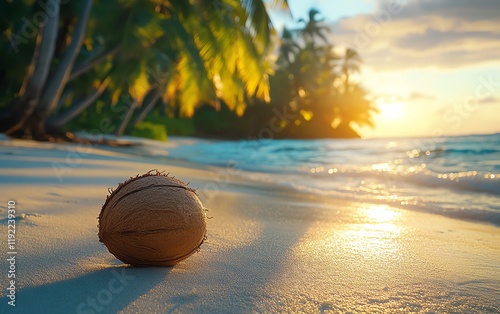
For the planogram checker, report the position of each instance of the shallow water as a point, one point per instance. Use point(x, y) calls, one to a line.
point(453, 176)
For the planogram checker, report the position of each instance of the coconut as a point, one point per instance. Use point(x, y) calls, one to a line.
point(152, 220)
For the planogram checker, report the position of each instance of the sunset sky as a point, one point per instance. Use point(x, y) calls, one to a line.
point(433, 65)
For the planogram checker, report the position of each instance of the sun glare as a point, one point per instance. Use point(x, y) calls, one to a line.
point(391, 111)
point(374, 234)
point(380, 214)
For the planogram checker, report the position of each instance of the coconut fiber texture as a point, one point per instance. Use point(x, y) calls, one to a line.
point(152, 220)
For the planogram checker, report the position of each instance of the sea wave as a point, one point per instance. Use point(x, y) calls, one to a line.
point(471, 181)
point(472, 197)
point(459, 177)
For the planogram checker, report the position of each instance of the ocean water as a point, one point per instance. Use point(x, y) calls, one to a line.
point(457, 177)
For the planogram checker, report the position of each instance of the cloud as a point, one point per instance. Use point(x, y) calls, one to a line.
point(490, 101)
point(419, 96)
point(393, 98)
point(436, 39)
point(424, 33)
point(388, 98)
point(487, 101)
point(465, 10)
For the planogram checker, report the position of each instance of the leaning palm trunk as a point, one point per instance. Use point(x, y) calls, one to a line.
point(57, 82)
point(346, 81)
point(66, 116)
point(28, 77)
point(126, 119)
point(144, 112)
point(21, 108)
point(90, 64)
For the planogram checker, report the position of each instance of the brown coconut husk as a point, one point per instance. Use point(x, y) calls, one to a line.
point(152, 220)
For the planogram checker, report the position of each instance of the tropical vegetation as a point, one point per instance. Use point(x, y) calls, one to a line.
point(198, 67)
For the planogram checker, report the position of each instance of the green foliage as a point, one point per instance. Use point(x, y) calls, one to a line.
point(187, 54)
point(98, 118)
point(102, 118)
point(17, 42)
point(149, 130)
point(312, 81)
point(192, 52)
point(216, 123)
point(174, 126)
point(311, 84)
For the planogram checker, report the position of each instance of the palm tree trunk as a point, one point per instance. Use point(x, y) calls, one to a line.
point(80, 69)
point(69, 114)
point(144, 112)
point(346, 82)
point(47, 50)
point(57, 82)
point(67, 93)
point(20, 109)
point(31, 68)
point(126, 119)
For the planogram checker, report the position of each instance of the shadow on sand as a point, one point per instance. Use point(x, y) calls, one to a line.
point(104, 291)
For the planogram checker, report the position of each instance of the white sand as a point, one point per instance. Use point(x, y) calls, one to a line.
point(268, 249)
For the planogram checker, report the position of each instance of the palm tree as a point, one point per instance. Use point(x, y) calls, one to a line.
point(288, 48)
point(217, 57)
point(355, 108)
point(324, 108)
point(218, 50)
point(20, 109)
point(313, 28)
point(54, 86)
point(350, 64)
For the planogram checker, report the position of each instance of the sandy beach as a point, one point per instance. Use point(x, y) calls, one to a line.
point(268, 248)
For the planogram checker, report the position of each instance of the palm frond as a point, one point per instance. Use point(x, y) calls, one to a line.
point(194, 85)
point(140, 86)
point(259, 21)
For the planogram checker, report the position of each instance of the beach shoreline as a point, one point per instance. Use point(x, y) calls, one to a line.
point(268, 248)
